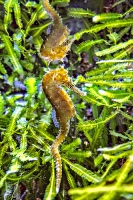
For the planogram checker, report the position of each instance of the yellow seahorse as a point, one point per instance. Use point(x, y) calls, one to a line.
point(56, 45)
point(64, 108)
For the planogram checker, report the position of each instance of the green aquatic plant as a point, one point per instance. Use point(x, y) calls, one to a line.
point(97, 153)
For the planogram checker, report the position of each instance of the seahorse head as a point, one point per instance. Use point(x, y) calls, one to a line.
point(61, 76)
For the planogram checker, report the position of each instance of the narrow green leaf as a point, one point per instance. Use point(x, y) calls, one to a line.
point(30, 83)
point(114, 48)
point(17, 13)
point(117, 94)
point(2, 180)
point(37, 138)
point(88, 125)
point(13, 58)
point(101, 189)
point(118, 135)
point(118, 148)
point(79, 154)
point(23, 143)
point(79, 12)
point(85, 46)
point(106, 17)
point(113, 24)
point(33, 18)
point(2, 69)
point(15, 166)
point(70, 178)
point(9, 4)
point(36, 31)
point(115, 61)
point(1, 104)
point(73, 145)
point(126, 168)
point(83, 172)
point(45, 134)
point(13, 121)
point(50, 190)
point(128, 11)
point(114, 84)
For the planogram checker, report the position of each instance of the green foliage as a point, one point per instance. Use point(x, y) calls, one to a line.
point(83, 172)
point(1, 104)
point(109, 25)
point(12, 55)
point(50, 190)
point(97, 155)
point(78, 12)
point(106, 17)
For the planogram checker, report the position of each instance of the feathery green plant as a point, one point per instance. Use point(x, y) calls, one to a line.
point(97, 154)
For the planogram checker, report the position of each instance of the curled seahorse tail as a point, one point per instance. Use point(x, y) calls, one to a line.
point(64, 128)
point(51, 11)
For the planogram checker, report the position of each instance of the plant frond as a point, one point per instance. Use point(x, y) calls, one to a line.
point(33, 18)
point(115, 61)
point(37, 138)
point(114, 37)
point(73, 145)
point(2, 68)
point(36, 31)
point(17, 13)
point(92, 99)
point(94, 92)
point(1, 104)
point(3, 152)
point(121, 147)
point(15, 166)
point(79, 12)
point(107, 83)
point(128, 11)
point(13, 57)
point(114, 48)
point(83, 172)
point(13, 121)
point(9, 4)
point(118, 135)
point(88, 191)
point(79, 154)
point(114, 94)
point(45, 134)
point(88, 125)
point(85, 46)
point(23, 143)
point(97, 28)
point(3, 180)
point(106, 17)
point(112, 76)
point(31, 85)
point(50, 192)
point(125, 115)
point(70, 178)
